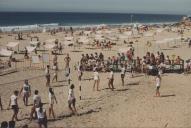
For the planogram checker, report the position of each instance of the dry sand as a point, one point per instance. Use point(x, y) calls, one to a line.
point(133, 105)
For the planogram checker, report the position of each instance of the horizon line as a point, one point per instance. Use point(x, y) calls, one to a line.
point(92, 12)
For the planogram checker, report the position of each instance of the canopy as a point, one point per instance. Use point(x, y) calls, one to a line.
point(34, 43)
point(30, 48)
point(50, 41)
point(149, 34)
point(49, 46)
point(83, 40)
point(5, 52)
point(129, 33)
point(69, 38)
point(12, 44)
point(124, 50)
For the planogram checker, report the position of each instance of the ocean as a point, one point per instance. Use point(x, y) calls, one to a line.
point(12, 21)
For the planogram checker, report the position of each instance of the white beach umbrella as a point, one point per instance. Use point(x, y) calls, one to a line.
point(5, 52)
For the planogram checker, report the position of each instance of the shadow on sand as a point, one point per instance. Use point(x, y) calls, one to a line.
point(168, 95)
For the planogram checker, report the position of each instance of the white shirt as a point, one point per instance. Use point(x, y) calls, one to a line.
point(39, 114)
point(26, 88)
point(71, 94)
point(37, 99)
point(111, 75)
point(123, 70)
point(51, 98)
point(96, 75)
point(158, 82)
point(13, 100)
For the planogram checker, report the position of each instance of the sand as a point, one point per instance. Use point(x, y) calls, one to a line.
point(133, 105)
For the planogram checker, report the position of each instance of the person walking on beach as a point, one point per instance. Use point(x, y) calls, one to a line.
point(72, 100)
point(111, 80)
point(123, 70)
point(42, 117)
point(67, 60)
point(158, 83)
point(26, 89)
point(96, 79)
point(52, 99)
point(47, 75)
point(14, 105)
point(36, 103)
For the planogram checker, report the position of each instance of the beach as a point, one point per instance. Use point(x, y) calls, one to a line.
point(131, 105)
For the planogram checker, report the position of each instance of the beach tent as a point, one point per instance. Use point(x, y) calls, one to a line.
point(83, 40)
point(87, 32)
point(129, 33)
point(69, 38)
point(49, 46)
point(5, 52)
point(148, 34)
point(34, 43)
point(124, 50)
point(30, 48)
point(13, 45)
point(68, 43)
point(160, 30)
point(50, 41)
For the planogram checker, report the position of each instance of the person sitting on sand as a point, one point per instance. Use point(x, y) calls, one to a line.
point(52, 98)
point(41, 115)
point(47, 75)
point(178, 60)
point(26, 89)
point(36, 103)
point(111, 79)
point(14, 105)
point(72, 100)
point(96, 79)
point(158, 83)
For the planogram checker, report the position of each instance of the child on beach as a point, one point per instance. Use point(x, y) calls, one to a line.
point(111, 79)
point(158, 82)
point(26, 89)
point(72, 100)
point(96, 79)
point(47, 75)
point(14, 105)
point(52, 98)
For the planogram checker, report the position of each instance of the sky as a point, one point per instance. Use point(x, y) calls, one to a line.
point(118, 6)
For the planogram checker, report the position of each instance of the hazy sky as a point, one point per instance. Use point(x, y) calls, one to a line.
point(124, 6)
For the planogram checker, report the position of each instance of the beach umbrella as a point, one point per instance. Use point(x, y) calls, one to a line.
point(5, 52)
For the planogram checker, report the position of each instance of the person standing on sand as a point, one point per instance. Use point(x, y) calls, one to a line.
point(52, 98)
point(47, 75)
point(158, 83)
point(42, 117)
point(67, 60)
point(96, 79)
point(1, 105)
point(36, 103)
point(26, 89)
point(123, 70)
point(55, 76)
point(111, 79)
point(14, 105)
point(72, 100)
